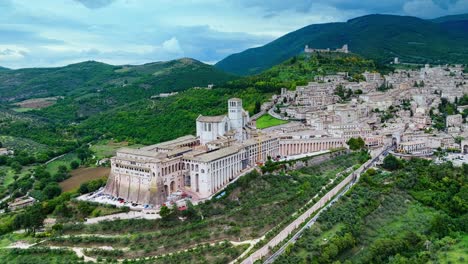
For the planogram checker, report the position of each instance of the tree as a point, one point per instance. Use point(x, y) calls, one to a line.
point(58, 229)
point(52, 190)
point(257, 107)
point(164, 212)
point(16, 166)
point(83, 188)
point(31, 219)
point(74, 165)
point(84, 153)
point(440, 225)
point(356, 143)
point(391, 162)
point(62, 169)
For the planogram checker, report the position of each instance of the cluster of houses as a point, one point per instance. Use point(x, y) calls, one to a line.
point(400, 112)
point(230, 145)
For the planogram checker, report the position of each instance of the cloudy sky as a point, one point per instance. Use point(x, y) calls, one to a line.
point(58, 32)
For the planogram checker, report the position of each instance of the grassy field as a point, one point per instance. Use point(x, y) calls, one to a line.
point(267, 120)
point(52, 167)
point(7, 176)
point(456, 253)
point(82, 175)
point(22, 109)
point(107, 148)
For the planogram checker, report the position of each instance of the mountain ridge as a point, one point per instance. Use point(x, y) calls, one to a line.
point(379, 37)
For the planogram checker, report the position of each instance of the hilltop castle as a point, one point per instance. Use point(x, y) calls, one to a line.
point(343, 49)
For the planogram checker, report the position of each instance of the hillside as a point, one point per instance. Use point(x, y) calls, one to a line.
point(94, 77)
point(58, 99)
point(301, 69)
point(380, 37)
point(3, 69)
point(416, 214)
point(141, 121)
point(128, 113)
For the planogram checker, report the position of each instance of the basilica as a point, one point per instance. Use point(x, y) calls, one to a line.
point(224, 148)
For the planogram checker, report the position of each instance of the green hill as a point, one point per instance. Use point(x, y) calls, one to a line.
point(127, 113)
point(301, 69)
point(94, 77)
point(450, 18)
point(3, 69)
point(141, 121)
point(85, 90)
point(380, 37)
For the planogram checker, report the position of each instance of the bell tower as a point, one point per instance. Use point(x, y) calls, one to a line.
point(235, 113)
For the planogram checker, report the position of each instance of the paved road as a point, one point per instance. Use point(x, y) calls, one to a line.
point(338, 190)
point(275, 115)
point(312, 221)
point(121, 216)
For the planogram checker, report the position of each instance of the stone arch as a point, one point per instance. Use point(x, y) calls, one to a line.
point(173, 189)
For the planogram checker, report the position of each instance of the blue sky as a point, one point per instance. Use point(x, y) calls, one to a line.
point(59, 32)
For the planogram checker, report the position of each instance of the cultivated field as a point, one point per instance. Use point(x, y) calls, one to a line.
point(82, 175)
point(36, 103)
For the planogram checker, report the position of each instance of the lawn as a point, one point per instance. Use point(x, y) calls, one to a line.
point(267, 120)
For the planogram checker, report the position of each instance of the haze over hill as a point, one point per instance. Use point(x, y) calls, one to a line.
point(380, 37)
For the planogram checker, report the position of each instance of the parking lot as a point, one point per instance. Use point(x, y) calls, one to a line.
point(456, 158)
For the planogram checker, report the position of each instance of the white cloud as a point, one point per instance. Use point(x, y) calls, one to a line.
point(56, 32)
point(431, 9)
point(12, 54)
point(172, 45)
